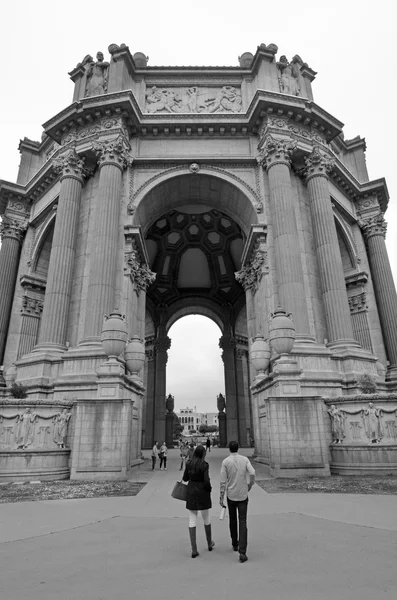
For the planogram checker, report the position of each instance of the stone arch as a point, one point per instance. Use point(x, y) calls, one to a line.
point(210, 186)
point(184, 308)
point(42, 248)
point(346, 244)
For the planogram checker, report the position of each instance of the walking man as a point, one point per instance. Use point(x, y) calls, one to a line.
point(155, 453)
point(237, 478)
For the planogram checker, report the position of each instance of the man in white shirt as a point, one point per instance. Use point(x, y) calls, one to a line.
point(237, 478)
point(155, 453)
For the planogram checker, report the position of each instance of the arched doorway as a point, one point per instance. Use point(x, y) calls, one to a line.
point(195, 228)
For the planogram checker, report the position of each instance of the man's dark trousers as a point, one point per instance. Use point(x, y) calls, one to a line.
point(238, 538)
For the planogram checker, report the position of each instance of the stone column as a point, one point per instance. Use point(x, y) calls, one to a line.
point(374, 230)
point(275, 157)
point(150, 377)
point(60, 271)
point(162, 344)
point(11, 233)
point(228, 345)
point(30, 321)
point(333, 285)
point(141, 278)
point(113, 159)
point(242, 395)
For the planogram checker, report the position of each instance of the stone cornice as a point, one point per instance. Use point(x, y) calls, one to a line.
point(354, 280)
point(32, 282)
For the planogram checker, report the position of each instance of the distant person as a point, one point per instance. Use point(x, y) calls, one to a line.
point(163, 456)
point(184, 453)
point(155, 453)
point(208, 444)
point(235, 471)
point(198, 497)
point(190, 452)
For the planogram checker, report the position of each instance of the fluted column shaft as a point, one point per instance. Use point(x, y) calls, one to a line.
point(31, 311)
point(228, 345)
point(60, 271)
point(291, 288)
point(374, 231)
point(12, 235)
point(104, 252)
point(333, 286)
point(112, 159)
point(162, 344)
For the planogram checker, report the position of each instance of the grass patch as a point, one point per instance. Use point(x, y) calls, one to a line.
point(67, 490)
point(331, 485)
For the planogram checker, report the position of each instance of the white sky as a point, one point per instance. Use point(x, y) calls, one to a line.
point(349, 43)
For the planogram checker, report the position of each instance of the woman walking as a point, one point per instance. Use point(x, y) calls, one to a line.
point(198, 496)
point(163, 456)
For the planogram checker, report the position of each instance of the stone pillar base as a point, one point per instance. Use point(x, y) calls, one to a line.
point(169, 430)
point(391, 377)
point(222, 430)
point(293, 440)
point(106, 439)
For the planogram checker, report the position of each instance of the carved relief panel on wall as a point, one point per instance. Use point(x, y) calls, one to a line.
point(29, 430)
point(194, 99)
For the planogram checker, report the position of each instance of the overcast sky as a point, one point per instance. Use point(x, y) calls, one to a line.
point(350, 44)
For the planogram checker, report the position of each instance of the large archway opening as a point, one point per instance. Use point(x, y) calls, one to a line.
point(195, 229)
point(195, 374)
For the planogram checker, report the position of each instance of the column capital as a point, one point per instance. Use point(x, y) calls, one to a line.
point(372, 226)
point(227, 342)
point(251, 274)
point(139, 273)
point(318, 164)
point(69, 164)
point(31, 307)
point(358, 303)
point(113, 152)
point(10, 228)
point(276, 151)
point(162, 344)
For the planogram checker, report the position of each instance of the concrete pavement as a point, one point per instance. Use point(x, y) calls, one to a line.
point(301, 546)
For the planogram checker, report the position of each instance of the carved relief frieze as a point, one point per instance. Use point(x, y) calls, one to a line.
point(29, 430)
point(193, 99)
point(18, 208)
point(105, 125)
point(363, 424)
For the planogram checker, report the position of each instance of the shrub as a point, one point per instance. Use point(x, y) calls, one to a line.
point(367, 383)
point(18, 390)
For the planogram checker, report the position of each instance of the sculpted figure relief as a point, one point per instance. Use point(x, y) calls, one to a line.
point(60, 427)
point(337, 428)
point(97, 76)
point(25, 428)
point(373, 426)
point(289, 76)
point(190, 100)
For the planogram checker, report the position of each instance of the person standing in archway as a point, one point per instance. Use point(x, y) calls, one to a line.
point(163, 456)
point(208, 444)
point(234, 482)
point(155, 453)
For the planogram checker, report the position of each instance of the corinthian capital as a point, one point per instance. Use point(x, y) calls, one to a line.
point(162, 344)
point(139, 273)
point(12, 229)
point(31, 307)
point(113, 152)
point(69, 164)
point(373, 226)
point(318, 164)
point(275, 152)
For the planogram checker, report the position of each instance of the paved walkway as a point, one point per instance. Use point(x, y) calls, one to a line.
point(301, 546)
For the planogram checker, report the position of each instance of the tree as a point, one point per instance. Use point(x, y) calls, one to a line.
point(208, 428)
point(178, 428)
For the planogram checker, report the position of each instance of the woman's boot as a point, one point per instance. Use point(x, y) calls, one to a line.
point(192, 533)
point(208, 535)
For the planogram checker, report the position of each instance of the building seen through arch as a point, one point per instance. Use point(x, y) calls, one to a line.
point(161, 192)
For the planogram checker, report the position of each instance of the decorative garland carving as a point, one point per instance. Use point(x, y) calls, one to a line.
point(250, 276)
point(29, 432)
point(139, 273)
point(31, 307)
point(357, 303)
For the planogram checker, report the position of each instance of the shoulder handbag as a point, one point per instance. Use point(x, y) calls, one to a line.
point(180, 491)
